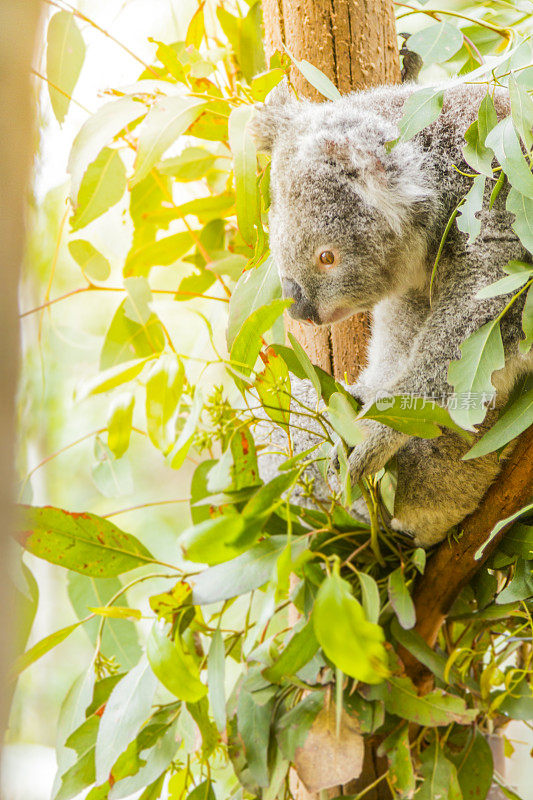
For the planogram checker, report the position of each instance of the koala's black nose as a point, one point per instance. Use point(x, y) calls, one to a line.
point(302, 308)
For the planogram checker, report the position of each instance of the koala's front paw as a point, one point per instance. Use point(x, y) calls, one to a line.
point(380, 444)
point(363, 461)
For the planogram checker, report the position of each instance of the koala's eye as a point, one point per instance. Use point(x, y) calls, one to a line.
point(327, 258)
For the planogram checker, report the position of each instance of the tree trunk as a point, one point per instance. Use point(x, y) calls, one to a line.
point(354, 43)
point(18, 26)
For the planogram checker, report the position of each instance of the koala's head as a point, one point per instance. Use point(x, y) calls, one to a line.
point(343, 209)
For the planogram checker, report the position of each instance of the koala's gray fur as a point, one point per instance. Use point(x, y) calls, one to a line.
point(335, 187)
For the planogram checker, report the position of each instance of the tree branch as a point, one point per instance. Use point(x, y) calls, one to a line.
point(452, 567)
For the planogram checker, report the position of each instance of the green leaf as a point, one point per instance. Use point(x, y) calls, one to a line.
point(247, 343)
point(344, 419)
point(521, 585)
point(97, 132)
point(522, 111)
point(241, 575)
point(498, 527)
point(353, 644)
point(299, 651)
point(168, 118)
point(439, 774)
point(191, 165)
point(487, 117)
point(401, 599)
point(522, 208)
point(420, 110)
point(255, 288)
point(307, 369)
point(204, 791)
point(511, 283)
point(505, 143)
point(161, 253)
point(82, 772)
point(111, 378)
point(216, 540)
point(175, 669)
point(126, 710)
point(481, 355)
point(112, 477)
point(436, 663)
point(164, 388)
point(65, 55)
point(215, 679)
point(370, 593)
point(253, 722)
point(475, 153)
point(518, 703)
point(245, 166)
point(41, 648)
point(178, 454)
point(527, 323)
point(273, 386)
point(119, 424)
point(101, 187)
point(292, 728)
point(414, 416)
point(437, 42)
point(467, 221)
point(94, 265)
point(119, 636)
point(126, 339)
point(518, 541)
point(316, 78)
point(516, 419)
point(398, 750)
point(475, 767)
point(433, 709)
point(84, 542)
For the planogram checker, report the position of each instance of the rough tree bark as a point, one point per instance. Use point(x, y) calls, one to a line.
point(354, 43)
point(18, 26)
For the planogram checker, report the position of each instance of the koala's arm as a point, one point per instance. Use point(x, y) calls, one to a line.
point(456, 314)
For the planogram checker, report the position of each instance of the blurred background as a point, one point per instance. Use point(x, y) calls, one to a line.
point(61, 459)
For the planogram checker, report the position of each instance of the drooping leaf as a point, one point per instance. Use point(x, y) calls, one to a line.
point(168, 118)
point(97, 132)
point(84, 542)
point(474, 764)
point(111, 378)
point(516, 419)
point(293, 727)
point(41, 648)
point(161, 253)
point(414, 416)
point(505, 143)
point(437, 42)
point(420, 110)
point(299, 651)
point(402, 773)
point(370, 595)
point(255, 288)
point(467, 220)
point(247, 343)
point(65, 54)
point(440, 776)
point(433, 709)
point(353, 644)
point(522, 207)
point(521, 110)
point(476, 154)
point(401, 599)
point(481, 354)
point(245, 166)
point(498, 527)
point(254, 728)
point(119, 424)
point(174, 667)
point(316, 78)
point(527, 323)
point(344, 419)
point(178, 454)
point(126, 710)
point(102, 186)
point(191, 165)
point(220, 539)
point(164, 388)
point(126, 339)
point(112, 477)
point(273, 386)
point(215, 679)
point(94, 265)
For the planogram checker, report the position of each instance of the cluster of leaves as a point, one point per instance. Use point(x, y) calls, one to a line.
point(222, 678)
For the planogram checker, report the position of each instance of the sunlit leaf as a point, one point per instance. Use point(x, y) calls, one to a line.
point(191, 165)
point(437, 42)
point(41, 648)
point(82, 542)
point(401, 599)
point(164, 387)
point(245, 165)
point(126, 340)
point(505, 143)
point(119, 424)
point(65, 54)
point(344, 419)
point(467, 220)
point(247, 343)
point(420, 110)
point(256, 287)
point(316, 78)
point(215, 679)
point(101, 187)
point(175, 669)
point(168, 118)
point(94, 265)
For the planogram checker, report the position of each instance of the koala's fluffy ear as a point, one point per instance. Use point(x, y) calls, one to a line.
point(272, 116)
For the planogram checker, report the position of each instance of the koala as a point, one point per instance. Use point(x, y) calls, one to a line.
point(355, 226)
